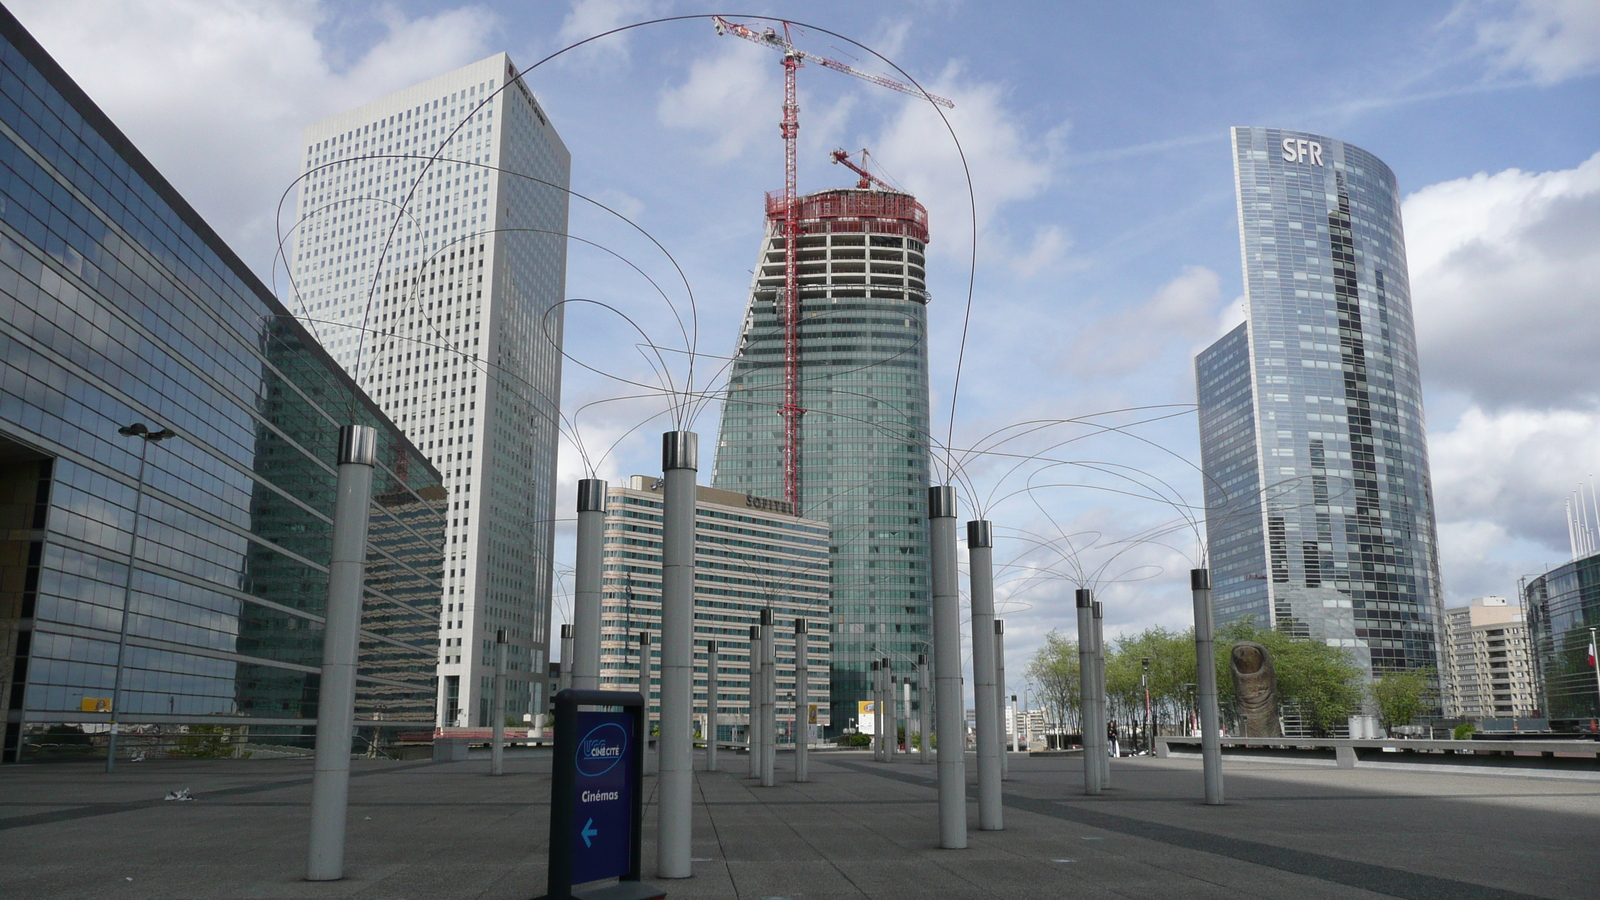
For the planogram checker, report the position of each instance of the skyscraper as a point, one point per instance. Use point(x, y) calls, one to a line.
point(430, 257)
point(864, 437)
point(1319, 505)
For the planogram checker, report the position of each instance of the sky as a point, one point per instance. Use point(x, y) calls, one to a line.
point(1096, 252)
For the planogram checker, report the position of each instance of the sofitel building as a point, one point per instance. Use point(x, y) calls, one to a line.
point(430, 260)
point(178, 584)
point(864, 437)
point(1319, 507)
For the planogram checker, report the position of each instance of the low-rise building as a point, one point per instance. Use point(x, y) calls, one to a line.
point(751, 554)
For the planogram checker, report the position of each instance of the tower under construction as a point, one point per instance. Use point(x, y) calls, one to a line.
point(863, 386)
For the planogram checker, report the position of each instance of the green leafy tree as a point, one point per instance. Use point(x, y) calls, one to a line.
point(1054, 669)
point(1402, 696)
point(1172, 666)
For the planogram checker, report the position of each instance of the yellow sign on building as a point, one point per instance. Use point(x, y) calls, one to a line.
point(96, 704)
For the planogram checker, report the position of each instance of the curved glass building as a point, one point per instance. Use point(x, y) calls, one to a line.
point(864, 386)
point(1563, 608)
point(1319, 505)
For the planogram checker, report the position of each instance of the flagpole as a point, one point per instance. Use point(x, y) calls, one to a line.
point(1594, 663)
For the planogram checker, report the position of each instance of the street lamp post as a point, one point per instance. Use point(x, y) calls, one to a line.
point(1144, 682)
point(138, 430)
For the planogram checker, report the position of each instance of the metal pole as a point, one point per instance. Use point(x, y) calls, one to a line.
point(769, 698)
point(645, 679)
point(802, 699)
point(680, 452)
point(985, 694)
point(947, 667)
point(1009, 735)
point(588, 580)
point(752, 731)
point(336, 698)
point(1091, 741)
point(712, 692)
point(566, 658)
point(1206, 672)
point(497, 745)
point(875, 691)
point(127, 606)
point(1596, 672)
point(1100, 700)
point(925, 709)
point(905, 709)
point(891, 728)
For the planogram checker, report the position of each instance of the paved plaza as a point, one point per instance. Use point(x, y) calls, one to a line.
point(859, 829)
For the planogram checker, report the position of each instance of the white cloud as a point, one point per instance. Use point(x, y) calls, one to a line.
point(1505, 280)
point(1512, 469)
point(1184, 309)
point(733, 95)
point(591, 17)
point(1552, 40)
point(216, 92)
point(1007, 162)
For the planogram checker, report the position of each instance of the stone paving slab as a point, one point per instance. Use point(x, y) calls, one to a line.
point(860, 829)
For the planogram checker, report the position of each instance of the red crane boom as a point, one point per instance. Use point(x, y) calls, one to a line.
point(789, 303)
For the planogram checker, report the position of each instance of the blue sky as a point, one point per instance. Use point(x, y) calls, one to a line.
point(1107, 244)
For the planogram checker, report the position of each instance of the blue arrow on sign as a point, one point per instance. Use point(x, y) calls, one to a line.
point(588, 832)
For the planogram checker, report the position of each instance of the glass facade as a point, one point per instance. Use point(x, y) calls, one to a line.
point(751, 554)
point(119, 305)
point(1319, 506)
point(430, 260)
point(864, 437)
point(1562, 606)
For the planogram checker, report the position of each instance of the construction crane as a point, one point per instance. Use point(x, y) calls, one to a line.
point(789, 304)
point(867, 178)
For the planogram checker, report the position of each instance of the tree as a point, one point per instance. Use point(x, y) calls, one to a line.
point(1172, 665)
point(1323, 683)
point(1402, 696)
point(1055, 670)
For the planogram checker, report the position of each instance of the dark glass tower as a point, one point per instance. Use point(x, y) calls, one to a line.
point(1319, 504)
point(864, 386)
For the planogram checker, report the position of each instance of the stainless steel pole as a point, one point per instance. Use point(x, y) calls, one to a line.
point(712, 691)
point(952, 768)
point(752, 731)
point(1008, 737)
point(680, 451)
point(875, 691)
point(497, 744)
point(588, 583)
point(341, 641)
point(905, 710)
point(985, 695)
point(891, 728)
point(925, 708)
point(802, 699)
point(1206, 675)
point(1100, 699)
point(566, 658)
point(769, 699)
point(1091, 742)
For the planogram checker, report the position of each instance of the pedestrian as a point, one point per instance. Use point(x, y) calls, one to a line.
point(1111, 739)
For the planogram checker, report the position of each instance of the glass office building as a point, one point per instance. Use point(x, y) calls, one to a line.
point(196, 580)
point(864, 437)
point(1319, 506)
point(1563, 605)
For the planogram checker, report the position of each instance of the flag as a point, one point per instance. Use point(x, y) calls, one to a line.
point(1591, 654)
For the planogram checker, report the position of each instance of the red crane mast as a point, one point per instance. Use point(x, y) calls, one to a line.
point(789, 304)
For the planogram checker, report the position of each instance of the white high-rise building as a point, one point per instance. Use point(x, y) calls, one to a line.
point(430, 260)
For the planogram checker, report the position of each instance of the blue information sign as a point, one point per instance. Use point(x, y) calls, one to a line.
point(602, 819)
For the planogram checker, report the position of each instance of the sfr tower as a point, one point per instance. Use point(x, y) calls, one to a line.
point(864, 435)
